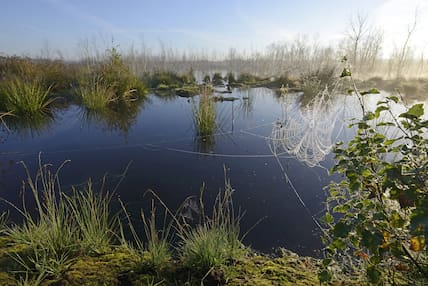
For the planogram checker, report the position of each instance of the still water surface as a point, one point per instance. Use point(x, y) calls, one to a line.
point(166, 155)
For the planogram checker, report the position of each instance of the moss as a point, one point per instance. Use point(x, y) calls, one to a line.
point(108, 269)
point(124, 267)
point(6, 279)
point(8, 249)
point(188, 90)
point(288, 269)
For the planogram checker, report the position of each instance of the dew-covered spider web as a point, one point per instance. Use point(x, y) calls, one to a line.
point(307, 132)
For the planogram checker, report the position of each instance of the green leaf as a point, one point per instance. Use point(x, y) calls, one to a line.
point(373, 275)
point(393, 98)
point(338, 244)
point(370, 91)
point(341, 208)
point(328, 218)
point(326, 262)
point(415, 111)
point(371, 240)
point(379, 109)
point(369, 116)
point(346, 72)
point(324, 276)
point(341, 229)
point(366, 173)
point(385, 124)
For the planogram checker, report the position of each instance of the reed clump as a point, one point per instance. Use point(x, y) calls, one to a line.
point(103, 84)
point(204, 115)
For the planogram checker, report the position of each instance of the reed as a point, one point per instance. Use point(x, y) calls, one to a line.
point(204, 116)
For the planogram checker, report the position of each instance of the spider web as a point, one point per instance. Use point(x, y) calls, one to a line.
point(306, 133)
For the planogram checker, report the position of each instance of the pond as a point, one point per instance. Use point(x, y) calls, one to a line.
point(274, 149)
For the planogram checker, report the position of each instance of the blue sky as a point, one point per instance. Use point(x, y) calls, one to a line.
point(28, 26)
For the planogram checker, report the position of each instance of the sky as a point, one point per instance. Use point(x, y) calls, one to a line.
point(31, 27)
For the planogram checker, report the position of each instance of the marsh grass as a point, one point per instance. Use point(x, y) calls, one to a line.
point(158, 242)
point(50, 236)
point(201, 245)
point(154, 247)
point(68, 226)
point(216, 240)
point(204, 116)
point(118, 75)
point(91, 213)
point(4, 218)
point(63, 226)
point(104, 84)
point(95, 93)
point(25, 97)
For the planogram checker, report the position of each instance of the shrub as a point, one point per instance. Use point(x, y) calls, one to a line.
point(118, 76)
point(377, 214)
point(217, 79)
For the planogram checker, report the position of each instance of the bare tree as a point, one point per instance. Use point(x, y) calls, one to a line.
point(358, 27)
point(403, 53)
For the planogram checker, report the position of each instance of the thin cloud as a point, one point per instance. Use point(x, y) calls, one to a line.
point(98, 22)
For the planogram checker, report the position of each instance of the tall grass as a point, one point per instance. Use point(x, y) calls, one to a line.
point(91, 214)
point(212, 241)
point(154, 247)
point(105, 83)
point(50, 234)
point(158, 244)
point(204, 116)
point(24, 97)
point(95, 93)
point(216, 240)
point(63, 226)
point(3, 222)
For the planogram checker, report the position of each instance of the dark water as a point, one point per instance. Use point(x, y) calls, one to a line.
point(159, 139)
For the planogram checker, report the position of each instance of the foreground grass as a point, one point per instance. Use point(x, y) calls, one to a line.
point(123, 267)
point(71, 238)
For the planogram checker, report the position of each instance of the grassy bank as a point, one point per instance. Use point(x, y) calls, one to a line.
point(73, 238)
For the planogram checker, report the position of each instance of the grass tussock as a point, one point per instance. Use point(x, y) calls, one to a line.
point(154, 246)
point(95, 94)
point(216, 240)
point(204, 116)
point(63, 226)
point(102, 85)
point(92, 217)
point(24, 97)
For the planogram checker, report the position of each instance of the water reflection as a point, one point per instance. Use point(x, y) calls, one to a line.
point(31, 126)
point(119, 117)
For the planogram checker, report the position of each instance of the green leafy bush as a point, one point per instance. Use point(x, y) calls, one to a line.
point(377, 215)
